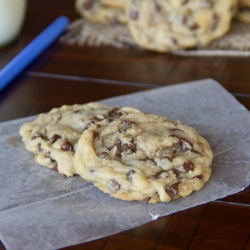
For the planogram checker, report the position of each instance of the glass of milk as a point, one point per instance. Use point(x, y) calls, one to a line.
point(12, 14)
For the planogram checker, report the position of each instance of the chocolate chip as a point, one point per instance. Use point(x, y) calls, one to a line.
point(88, 5)
point(185, 145)
point(161, 175)
point(133, 14)
point(185, 2)
point(67, 146)
point(174, 129)
point(176, 172)
point(128, 124)
point(175, 42)
point(129, 174)
point(119, 151)
point(146, 200)
point(104, 155)
point(115, 113)
point(39, 146)
point(167, 158)
point(55, 168)
point(172, 190)
point(188, 166)
point(113, 185)
point(148, 159)
point(195, 26)
point(96, 136)
point(87, 126)
point(215, 22)
point(54, 138)
point(199, 177)
point(132, 146)
point(195, 152)
point(97, 119)
point(157, 7)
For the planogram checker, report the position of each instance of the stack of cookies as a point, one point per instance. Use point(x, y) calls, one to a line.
point(168, 25)
point(131, 155)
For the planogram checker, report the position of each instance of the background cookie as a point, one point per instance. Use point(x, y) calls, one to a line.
point(53, 136)
point(95, 11)
point(243, 11)
point(167, 25)
point(115, 3)
point(144, 157)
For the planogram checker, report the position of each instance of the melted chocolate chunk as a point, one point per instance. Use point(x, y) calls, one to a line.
point(39, 146)
point(199, 177)
point(67, 146)
point(167, 158)
point(161, 175)
point(97, 119)
point(133, 14)
point(88, 5)
point(132, 146)
point(55, 168)
point(104, 155)
point(188, 166)
point(185, 145)
point(148, 159)
point(129, 174)
point(115, 113)
point(113, 185)
point(176, 172)
point(54, 138)
point(146, 200)
point(195, 26)
point(96, 136)
point(172, 190)
point(87, 126)
point(128, 124)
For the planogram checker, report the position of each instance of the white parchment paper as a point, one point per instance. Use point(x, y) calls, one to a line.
point(40, 209)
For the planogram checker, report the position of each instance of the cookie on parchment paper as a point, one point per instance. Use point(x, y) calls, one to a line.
point(143, 157)
point(96, 11)
point(53, 136)
point(169, 25)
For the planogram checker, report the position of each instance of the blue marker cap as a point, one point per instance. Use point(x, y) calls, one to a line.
point(32, 50)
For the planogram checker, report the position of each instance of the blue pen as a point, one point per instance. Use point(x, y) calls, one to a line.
point(32, 50)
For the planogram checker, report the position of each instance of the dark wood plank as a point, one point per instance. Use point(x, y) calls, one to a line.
point(33, 95)
point(181, 229)
point(223, 227)
point(145, 237)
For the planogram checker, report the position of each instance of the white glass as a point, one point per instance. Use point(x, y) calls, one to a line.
point(12, 14)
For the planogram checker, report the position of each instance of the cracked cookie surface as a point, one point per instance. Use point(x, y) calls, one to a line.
point(96, 11)
point(144, 157)
point(168, 25)
point(53, 136)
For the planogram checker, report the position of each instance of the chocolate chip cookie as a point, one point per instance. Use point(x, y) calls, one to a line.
point(243, 11)
point(96, 11)
point(168, 25)
point(53, 136)
point(143, 157)
point(115, 3)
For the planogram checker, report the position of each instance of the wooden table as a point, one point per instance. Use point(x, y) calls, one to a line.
point(70, 74)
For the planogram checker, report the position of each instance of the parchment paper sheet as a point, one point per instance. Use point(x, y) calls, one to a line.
point(40, 209)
